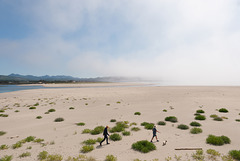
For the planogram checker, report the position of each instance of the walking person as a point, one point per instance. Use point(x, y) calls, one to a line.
point(105, 134)
point(155, 133)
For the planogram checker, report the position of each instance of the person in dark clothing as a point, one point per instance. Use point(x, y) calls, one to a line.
point(105, 134)
point(155, 133)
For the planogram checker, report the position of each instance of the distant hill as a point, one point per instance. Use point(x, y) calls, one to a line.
point(19, 79)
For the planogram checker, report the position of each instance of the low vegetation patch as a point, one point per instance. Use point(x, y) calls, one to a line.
point(238, 120)
point(217, 119)
point(135, 129)
point(194, 123)
point(137, 113)
point(218, 140)
point(126, 133)
point(38, 117)
point(3, 115)
point(97, 130)
point(196, 130)
point(1, 111)
point(6, 158)
point(133, 123)
point(42, 155)
point(200, 111)
point(71, 108)
point(183, 127)
point(90, 142)
point(59, 119)
point(147, 125)
point(113, 120)
point(235, 154)
point(143, 146)
point(2, 133)
point(17, 145)
point(213, 116)
point(172, 119)
point(3, 147)
point(119, 127)
point(32, 108)
point(87, 148)
point(200, 117)
point(162, 123)
point(26, 154)
point(81, 158)
point(110, 158)
point(164, 110)
point(51, 110)
point(224, 110)
point(115, 137)
point(80, 124)
point(86, 131)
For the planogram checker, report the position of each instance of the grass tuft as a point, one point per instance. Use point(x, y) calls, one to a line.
point(162, 123)
point(113, 120)
point(200, 111)
point(135, 129)
point(196, 130)
point(80, 124)
point(217, 119)
point(111, 158)
point(26, 154)
point(115, 137)
point(2, 133)
point(224, 110)
point(218, 140)
point(87, 148)
point(172, 119)
point(143, 146)
point(183, 127)
point(126, 133)
point(194, 123)
point(235, 154)
point(200, 117)
point(60, 119)
point(97, 130)
point(137, 113)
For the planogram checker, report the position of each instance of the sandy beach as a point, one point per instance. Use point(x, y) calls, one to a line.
point(97, 106)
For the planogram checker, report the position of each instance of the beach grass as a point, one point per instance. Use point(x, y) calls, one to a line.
point(143, 146)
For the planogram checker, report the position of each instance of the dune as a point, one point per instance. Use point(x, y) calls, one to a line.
point(97, 106)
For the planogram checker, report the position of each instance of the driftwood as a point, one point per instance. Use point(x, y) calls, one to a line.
point(188, 149)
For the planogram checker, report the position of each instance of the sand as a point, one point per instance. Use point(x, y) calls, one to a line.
point(96, 106)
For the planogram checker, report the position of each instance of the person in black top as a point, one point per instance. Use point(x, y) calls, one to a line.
point(155, 133)
point(105, 134)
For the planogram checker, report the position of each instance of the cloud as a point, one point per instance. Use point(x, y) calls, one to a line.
point(186, 42)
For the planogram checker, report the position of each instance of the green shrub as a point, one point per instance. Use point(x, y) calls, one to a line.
point(172, 119)
point(218, 140)
point(2, 133)
point(137, 113)
point(3, 147)
point(99, 139)
point(51, 110)
point(1, 111)
point(86, 131)
point(144, 123)
point(32, 108)
point(38, 117)
point(200, 117)
point(238, 120)
point(213, 152)
point(126, 133)
point(115, 137)
point(200, 111)
point(143, 146)
point(133, 123)
point(38, 140)
point(196, 130)
point(217, 119)
point(71, 108)
point(120, 126)
point(42, 155)
point(147, 125)
point(80, 124)
point(97, 130)
point(213, 115)
point(17, 145)
point(60, 119)
point(55, 157)
point(26, 154)
point(3, 115)
point(36, 104)
point(224, 110)
point(90, 141)
point(135, 129)
point(194, 123)
point(164, 110)
point(162, 123)
point(113, 120)
point(87, 148)
point(235, 154)
point(6, 158)
point(183, 127)
point(16, 111)
point(111, 158)
point(29, 138)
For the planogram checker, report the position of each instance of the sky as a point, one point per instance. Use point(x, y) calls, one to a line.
point(181, 41)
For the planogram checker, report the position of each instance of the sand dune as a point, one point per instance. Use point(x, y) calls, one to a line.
point(97, 106)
